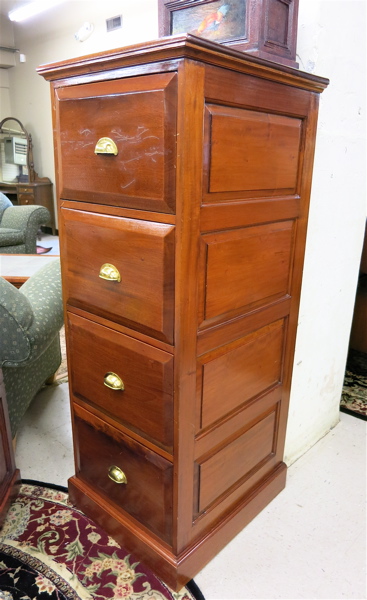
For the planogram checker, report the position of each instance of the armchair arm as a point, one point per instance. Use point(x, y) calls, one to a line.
point(28, 218)
point(31, 317)
point(16, 318)
point(43, 291)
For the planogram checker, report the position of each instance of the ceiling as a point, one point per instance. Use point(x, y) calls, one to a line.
point(8, 5)
point(41, 23)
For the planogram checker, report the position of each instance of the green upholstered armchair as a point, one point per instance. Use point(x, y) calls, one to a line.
point(30, 322)
point(19, 226)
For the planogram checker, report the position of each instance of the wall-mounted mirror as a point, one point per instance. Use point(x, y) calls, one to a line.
point(18, 179)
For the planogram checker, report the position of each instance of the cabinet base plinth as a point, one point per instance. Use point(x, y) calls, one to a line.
point(174, 570)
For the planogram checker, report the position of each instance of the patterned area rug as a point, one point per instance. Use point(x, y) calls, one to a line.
point(62, 372)
point(49, 550)
point(354, 395)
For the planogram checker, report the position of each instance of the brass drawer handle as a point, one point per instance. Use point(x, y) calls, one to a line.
point(106, 146)
point(114, 382)
point(109, 272)
point(117, 475)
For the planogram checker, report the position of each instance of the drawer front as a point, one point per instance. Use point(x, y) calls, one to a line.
point(143, 399)
point(24, 189)
point(26, 199)
point(143, 254)
point(135, 120)
point(147, 493)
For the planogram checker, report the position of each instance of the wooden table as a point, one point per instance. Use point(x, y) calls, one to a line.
point(17, 268)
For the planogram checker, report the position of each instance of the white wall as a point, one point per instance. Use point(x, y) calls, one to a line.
point(5, 105)
point(331, 43)
point(6, 60)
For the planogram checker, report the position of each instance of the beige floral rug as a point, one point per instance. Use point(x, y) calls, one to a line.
point(50, 550)
point(62, 372)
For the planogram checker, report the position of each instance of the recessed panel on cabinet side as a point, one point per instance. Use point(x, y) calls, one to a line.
point(250, 153)
point(117, 142)
point(237, 372)
point(227, 467)
point(245, 268)
point(121, 269)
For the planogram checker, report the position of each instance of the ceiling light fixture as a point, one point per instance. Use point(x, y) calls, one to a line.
point(31, 9)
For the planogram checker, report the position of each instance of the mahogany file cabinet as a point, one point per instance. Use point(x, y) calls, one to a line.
point(184, 173)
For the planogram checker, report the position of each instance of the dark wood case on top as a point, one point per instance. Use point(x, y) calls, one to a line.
point(180, 350)
point(264, 28)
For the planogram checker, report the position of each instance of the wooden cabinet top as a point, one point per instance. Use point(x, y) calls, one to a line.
point(175, 48)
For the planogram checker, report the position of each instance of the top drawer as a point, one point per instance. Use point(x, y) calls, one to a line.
point(117, 142)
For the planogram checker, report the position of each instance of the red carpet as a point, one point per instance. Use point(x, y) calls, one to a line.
point(51, 550)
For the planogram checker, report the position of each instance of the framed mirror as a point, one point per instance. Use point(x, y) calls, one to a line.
point(16, 152)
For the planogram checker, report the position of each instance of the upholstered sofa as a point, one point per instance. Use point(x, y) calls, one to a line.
point(19, 226)
point(30, 322)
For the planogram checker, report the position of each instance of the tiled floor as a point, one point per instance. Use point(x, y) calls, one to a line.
point(310, 542)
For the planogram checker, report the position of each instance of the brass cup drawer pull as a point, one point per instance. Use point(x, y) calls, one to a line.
point(114, 382)
point(109, 272)
point(117, 475)
point(106, 146)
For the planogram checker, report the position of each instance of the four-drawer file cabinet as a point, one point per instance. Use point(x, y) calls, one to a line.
point(184, 174)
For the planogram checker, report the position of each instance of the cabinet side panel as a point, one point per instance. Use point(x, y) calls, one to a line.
point(260, 150)
point(259, 138)
point(226, 467)
point(246, 268)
